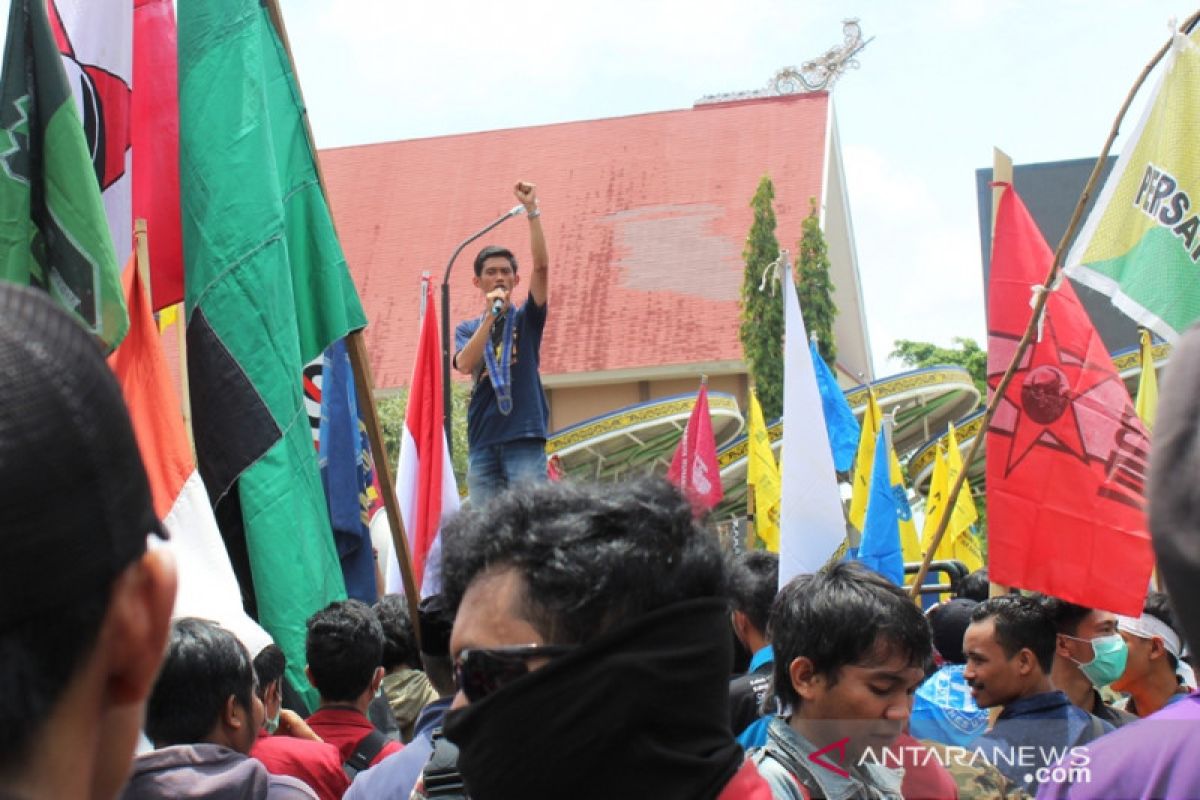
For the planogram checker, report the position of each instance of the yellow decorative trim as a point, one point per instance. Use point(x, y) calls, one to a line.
point(918, 463)
point(906, 383)
point(1127, 361)
point(727, 458)
point(650, 413)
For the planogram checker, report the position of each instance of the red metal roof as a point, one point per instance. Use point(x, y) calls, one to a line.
point(645, 216)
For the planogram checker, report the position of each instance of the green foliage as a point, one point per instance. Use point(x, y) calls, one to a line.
point(814, 286)
point(966, 353)
point(391, 419)
point(761, 330)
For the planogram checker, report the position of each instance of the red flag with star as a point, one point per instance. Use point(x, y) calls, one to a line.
point(1066, 452)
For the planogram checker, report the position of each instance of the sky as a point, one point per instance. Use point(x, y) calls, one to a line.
point(941, 83)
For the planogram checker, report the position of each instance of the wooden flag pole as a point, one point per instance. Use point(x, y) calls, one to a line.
point(356, 347)
point(1039, 307)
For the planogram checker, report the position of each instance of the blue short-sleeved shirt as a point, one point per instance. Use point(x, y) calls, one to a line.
point(530, 415)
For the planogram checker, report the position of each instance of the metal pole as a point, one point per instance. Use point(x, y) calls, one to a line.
point(446, 400)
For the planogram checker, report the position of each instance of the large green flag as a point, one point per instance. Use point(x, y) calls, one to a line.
point(53, 232)
point(1141, 243)
point(266, 290)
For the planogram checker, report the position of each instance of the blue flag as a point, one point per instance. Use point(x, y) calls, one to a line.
point(346, 474)
point(840, 423)
point(880, 545)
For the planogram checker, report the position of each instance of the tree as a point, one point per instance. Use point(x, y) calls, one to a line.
point(761, 329)
point(966, 353)
point(814, 286)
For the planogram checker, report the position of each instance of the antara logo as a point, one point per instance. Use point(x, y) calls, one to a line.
point(838, 747)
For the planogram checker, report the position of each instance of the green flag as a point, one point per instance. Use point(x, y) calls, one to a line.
point(53, 232)
point(1141, 242)
point(266, 290)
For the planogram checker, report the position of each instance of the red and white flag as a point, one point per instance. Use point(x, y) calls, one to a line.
point(694, 466)
point(95, 38)
point(1066, 453)
point(207, 585)
point(425, 485)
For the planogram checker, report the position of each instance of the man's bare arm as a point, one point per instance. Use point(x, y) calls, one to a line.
point(467, 359)
point(539, 281)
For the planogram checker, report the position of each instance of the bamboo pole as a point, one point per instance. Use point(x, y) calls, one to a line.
point(356, 347)
point(1039, 304)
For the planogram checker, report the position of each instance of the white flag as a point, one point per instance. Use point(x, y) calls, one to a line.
point(811, 524)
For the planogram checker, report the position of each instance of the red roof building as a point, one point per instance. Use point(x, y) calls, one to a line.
point(645, 216)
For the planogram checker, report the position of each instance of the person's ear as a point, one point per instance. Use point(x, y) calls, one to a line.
point(137, 625)
point(475, 281)
point(740, 622)
point(1157, 648)
point(376, 680)
point(234, 716)
point(1026, 661)
point(804, 678)
point(308, 674)
point(516, 279)
point(1062, 646)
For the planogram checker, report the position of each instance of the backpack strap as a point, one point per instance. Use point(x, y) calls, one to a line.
point(364, 753)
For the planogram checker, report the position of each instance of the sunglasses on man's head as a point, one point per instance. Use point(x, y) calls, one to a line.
point(481, 672)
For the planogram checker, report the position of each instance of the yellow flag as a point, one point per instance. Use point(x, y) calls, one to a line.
point(168, 317)
point(964, 546)
point(1147, 393)
point(762, 476)
point(864, 461)
point(958, 543)
point(935, 501)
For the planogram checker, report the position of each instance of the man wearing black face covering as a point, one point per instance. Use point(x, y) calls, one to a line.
point(591, 648)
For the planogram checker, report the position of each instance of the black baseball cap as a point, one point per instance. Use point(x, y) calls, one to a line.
point(75, 503)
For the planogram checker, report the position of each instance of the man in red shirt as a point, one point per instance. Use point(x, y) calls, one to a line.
point(345, 665)
point(286, 745)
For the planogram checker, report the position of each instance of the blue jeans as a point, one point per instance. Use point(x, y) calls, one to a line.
point(492, 469)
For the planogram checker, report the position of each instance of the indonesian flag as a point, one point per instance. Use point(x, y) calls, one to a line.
point(425, 485)
point(207, 586)
point(694, 466)
point(1066, 453)
point(95, 38)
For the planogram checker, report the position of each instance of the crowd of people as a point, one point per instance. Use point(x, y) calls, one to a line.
point(583, 643)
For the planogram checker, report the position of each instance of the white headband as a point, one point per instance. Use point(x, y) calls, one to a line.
point(1147, 626)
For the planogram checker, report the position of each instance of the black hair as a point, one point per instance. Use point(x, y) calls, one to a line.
point(843, 615)
point(344, 647)
point(753, 584)
point(1065, 615)
point(1158, 605)
point(269, 665)
point(491, 251)
point(1020, 622)
point(38, 659)
point(591, 556)
point(974, 586)
point(399, 637)
point(205, 664)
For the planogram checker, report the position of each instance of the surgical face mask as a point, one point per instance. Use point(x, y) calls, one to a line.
point(1108, 659)
point(271, 725)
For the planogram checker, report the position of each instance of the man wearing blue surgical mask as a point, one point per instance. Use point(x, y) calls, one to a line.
point(1089, 654)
